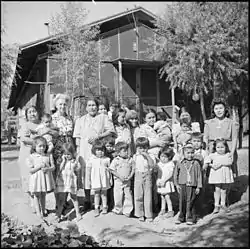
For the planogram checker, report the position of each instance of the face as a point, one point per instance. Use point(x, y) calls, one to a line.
point(185, 127)
point(163, 158)
point(196, 143)
point(47, 122)
point(91, 107)
point(185, 115)
point(109, 147)
point(188, 153)
point(140, 149)
point(32, 114)
point(102, 109)
point(40, 147)
point(61, 105)
point(112, 108)
point(68, 155)
point(133, 122)
point(219, 110)
point(123, 153)
point(220, 148)
point(150, 119)
point(99, 153)
point(121, 118)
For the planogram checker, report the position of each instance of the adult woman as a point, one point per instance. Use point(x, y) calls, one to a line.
point(88, 129)
point(27, 133)
point(220, 126)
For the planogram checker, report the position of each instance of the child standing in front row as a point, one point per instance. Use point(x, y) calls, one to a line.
point(122, 167)
point(188, 181)
point(144, 165)
point(165, 184)
point(66, 180)
point(221, 174)
point(41, 180)
point(100, 177)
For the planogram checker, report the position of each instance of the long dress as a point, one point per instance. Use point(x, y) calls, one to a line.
point(85, 128)
point(40, 181)
point(24, 153)
point(227, 129)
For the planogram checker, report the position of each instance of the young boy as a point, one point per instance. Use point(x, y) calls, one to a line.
point(122, 168)
point(188, 181)
point(144, 166)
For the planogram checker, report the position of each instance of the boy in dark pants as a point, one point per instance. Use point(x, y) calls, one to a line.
point(188, 181)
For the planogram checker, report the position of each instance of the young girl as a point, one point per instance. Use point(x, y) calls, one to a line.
point(102, 109)
point(66, 180)
point(221, 174)
point(100, 179)
point(165, 185)
point(41, 180)
point(121, 127)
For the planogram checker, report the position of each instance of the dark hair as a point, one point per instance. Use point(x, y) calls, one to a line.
point(120, 146)
point(69, 148)
point(115, 116)
point(114, 104)
point(105, 105)
point(161, 116)
point(98, 145)
point(36, 140)
point(47, 115)
point(182, 110)
point(218, 101)
point(168, 152)
point(27, 109)
point(221, 140)
point(196, 135)
point(92, 99)
point(146, 112)
point(142, 142)
point(185, 121)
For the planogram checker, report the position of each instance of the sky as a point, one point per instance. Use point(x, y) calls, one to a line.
point(24, 21)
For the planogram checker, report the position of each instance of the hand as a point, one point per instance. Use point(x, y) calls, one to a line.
point(178, 187)
point(197, 191)
point(161, 143)
point(91, 140)
point(63, 158)
point(77, 149)
point(45, 170)
point(234, 175)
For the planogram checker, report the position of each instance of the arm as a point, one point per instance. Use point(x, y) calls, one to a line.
point(108, 128)
point(151, 162)
point(206, 135)
point(113, 171)
point(52, 164)
point(32, 168)
point(168, 175)
point(25, 135)
point(176, 176)
point(132, 171)
point(199, 175)
point(235, 134)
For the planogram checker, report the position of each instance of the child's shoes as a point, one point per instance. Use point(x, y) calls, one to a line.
point(190, 222)
point(96, 212)
point(141, 218)
point(105, 210)
point(224, 209)
point(170, 214)
point(216, 210)
point(149, 220)
point(162, 212)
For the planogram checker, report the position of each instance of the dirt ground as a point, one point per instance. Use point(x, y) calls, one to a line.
point(220, 230)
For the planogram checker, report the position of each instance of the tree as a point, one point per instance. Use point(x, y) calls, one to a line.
point(78, 50)
point(202, 49)
point(205, 48)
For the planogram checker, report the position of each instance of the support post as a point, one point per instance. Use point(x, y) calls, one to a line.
point(120, 81)
point(99, 68)
point(138, 93)
point(173, 106)
point(47, 89)
point(158, 95)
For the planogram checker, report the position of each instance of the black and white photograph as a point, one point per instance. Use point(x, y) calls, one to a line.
point(124, 124)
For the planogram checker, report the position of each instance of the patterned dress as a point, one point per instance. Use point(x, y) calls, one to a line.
point(65, 126)
point(40, 181)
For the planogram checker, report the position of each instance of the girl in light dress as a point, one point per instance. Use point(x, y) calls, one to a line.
point(100, 177)
point(41, 181)
point(66, 180)
point(221, 174)
point(165, 185)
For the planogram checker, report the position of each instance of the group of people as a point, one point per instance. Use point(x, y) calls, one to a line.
point(124, 164)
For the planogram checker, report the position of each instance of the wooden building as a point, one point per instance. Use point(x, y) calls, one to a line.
point(129, 73)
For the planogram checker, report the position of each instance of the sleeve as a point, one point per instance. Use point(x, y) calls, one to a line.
point(113, 165)
point(199, 176)
point(176, 174)
point(77, 128)
point(30, 163)
point(170, 172)
point(208, 159)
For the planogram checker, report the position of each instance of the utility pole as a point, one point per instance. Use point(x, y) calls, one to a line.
point(47, 25)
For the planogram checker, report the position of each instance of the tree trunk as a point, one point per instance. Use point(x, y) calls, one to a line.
point(241, 125)
point(202, 106)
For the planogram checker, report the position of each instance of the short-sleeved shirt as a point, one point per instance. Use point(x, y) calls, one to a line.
point(122, 166)
point(123, 134)
point(141, 164)
point(63, 123)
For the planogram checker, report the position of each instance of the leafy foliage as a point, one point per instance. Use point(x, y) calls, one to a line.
point(13, 235)
point(78, 49)
point(205, 46)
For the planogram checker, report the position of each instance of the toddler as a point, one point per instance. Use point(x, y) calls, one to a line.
point(100, 176)
point(221, 174)
point(165, 185)
point(44, 128)
point(144, 165)
point(66, 180)
point(188, 181)
point(121, 127)
point(122, 168)
point(41, 180)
